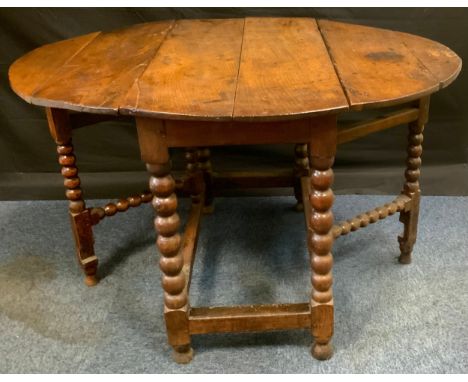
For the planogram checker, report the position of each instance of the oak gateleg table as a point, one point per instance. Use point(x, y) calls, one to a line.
point(195, 84)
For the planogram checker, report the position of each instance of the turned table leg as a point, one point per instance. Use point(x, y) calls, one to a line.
point(154, 152)
point(301, 168)
point(79, 215)
point(411, 188)
point(323, 148)
point(205, 165)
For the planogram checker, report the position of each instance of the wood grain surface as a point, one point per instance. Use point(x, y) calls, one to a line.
point(98, 77)
point(442, 62)
point(375, 67)
point(33, 69)
point(194, 73)
point(285, 71)
point(253, 69)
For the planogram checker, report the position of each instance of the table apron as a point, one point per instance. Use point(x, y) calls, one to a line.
point(198, 133)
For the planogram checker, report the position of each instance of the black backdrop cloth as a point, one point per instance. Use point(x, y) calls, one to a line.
point(108, 155)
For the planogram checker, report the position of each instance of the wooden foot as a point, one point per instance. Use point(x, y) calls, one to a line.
point(405, 258)
point(301, 168)
point(90, 270)
point(91, 280)
point(322, 351)
point(182, 354)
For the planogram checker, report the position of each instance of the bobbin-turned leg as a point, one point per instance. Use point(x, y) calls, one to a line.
point(411, 188)
point(167, 225)
point(80, 217)
point(205, 165)
point(301, 168)
point(322, 154)
point(155, 153)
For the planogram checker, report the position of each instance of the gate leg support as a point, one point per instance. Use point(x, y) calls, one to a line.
point(411, 187)
point(80, 217)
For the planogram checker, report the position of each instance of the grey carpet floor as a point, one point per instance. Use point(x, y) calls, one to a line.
point(389, 318)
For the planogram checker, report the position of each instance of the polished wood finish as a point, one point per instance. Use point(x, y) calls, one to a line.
point(38, 66)
point(167, 222)
point(122, 205)
point(193, 84)
point(323, 142)
point(363, 220)
point(402, 203)
point(255, 69)
point(80, 217)
point(155, 136)
point(190, 239)
point(194, 47)
point(87, 73)
point(285, 71)
point(361, 129)
point(196, 134)
point(411, 187)
point(249, 318)
point(441, 61)
point(376, 68)
point(410, 221)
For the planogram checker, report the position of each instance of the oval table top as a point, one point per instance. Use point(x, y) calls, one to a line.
point(234, 69)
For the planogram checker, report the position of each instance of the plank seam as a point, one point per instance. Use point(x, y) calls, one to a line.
point(238, 71)
point(330, 55)
point(48, 80)
point(137, 80)
point(422, 63)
